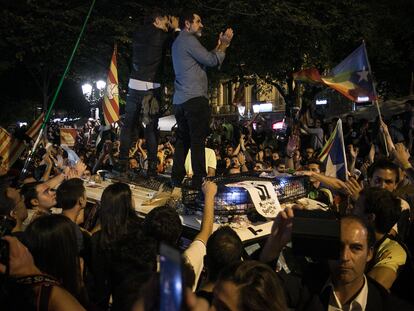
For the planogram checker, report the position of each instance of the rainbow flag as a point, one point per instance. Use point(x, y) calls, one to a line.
point(352, 77)
point(333, 154)
point(310, 75)
point(111, 97)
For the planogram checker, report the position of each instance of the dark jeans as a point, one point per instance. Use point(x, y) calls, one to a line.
point(132, 122)
point(193, 121)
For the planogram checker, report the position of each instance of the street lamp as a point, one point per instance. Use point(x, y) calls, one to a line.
point(93, 94)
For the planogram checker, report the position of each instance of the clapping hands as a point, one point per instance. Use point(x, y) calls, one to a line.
point(226, 37)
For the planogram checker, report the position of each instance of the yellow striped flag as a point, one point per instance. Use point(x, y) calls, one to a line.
point(11, 148)
point(35, 128)
point(5, 143)
point(111, 97)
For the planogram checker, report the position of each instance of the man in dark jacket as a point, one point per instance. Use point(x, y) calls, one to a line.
point(340, 286)
point(149, 46)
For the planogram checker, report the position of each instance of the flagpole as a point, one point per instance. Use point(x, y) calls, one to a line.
point(375, 96)
point(32, 151)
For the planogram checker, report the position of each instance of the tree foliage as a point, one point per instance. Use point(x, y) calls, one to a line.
point(273, 38)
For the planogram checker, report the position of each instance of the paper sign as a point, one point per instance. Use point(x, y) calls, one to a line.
point(68, 136)
point(263, 196)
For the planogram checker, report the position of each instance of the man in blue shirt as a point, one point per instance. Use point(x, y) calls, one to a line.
point(191, 107)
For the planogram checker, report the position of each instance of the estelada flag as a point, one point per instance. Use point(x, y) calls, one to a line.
point(333, 154)
point(11, 148)
point(111, 97)
point(352, 77)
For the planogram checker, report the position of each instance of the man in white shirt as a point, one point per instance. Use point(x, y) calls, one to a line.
point(211, 163)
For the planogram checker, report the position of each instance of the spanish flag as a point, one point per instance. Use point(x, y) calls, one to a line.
point(111, 97)
point(11, 148)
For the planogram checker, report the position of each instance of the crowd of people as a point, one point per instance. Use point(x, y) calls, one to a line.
point(59, 253)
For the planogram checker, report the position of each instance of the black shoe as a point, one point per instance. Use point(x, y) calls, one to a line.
point(152, 173)
point(152, 169)
point(120, 168)
point(192, 184)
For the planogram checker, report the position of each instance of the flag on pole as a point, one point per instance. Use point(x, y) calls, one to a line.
point(333, 154)
point(111, 97)
point(35, 127)
point(5, 143)
point(310, 75)
point(352, 77)
point(11, 148)
point(239, 95)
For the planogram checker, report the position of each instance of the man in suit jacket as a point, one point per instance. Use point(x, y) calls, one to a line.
point(344, 286)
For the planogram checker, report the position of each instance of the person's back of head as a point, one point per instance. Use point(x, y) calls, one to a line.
point(69, 193)
point(164, 224)
point(117, 214)
point(133, 253)
point(252, 286)
point(52, 241)
point(384, 205)
point(153, 15)
point(130, 291)
point(224, 247)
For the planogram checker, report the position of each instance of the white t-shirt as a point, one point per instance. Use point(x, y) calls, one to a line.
point(404, 206)
point(194, 255)
point(211, 161)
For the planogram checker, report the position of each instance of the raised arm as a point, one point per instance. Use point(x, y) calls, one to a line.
point(402, 158)
point(210, 190)
point(388, 139)
point(331, 182)
point(211, 58)
point(280, 235)
point(21, 264)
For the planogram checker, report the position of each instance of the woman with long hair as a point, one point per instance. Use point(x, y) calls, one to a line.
point(117, 214)
point(120, 247)
point(52, 241)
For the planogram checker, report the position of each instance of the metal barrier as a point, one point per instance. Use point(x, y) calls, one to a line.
point(232, 201)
